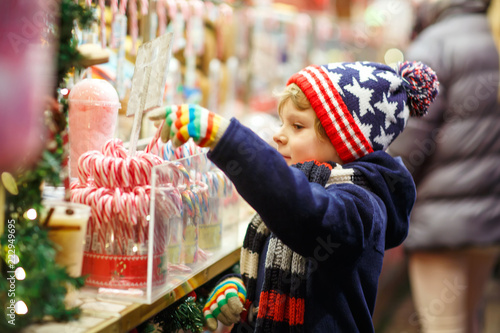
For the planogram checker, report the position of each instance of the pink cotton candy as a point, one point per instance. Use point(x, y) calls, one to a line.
point(93, 112)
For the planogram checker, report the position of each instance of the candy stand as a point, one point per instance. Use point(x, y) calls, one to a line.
point(142, 225)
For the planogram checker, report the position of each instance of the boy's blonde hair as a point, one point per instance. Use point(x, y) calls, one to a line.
point(295, 95)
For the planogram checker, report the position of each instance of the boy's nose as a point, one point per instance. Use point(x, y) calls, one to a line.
point(279, 138)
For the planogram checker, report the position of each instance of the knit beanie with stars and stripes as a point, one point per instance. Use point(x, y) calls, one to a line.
point(364, 106)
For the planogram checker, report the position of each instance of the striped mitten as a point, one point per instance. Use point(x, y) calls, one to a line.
point(190, 121)
point(225, 303)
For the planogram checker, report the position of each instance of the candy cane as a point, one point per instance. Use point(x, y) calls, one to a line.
point(103, 23)
point(144, 7)
point(186, 11)
point(180, 174)
point(132, 8)
point(225, 16)
point(198, 7)
point(171, 8)
point(162, 17)
point(123, 7)
point(154, 142)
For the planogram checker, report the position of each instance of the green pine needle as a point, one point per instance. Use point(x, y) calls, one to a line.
point(187, 316)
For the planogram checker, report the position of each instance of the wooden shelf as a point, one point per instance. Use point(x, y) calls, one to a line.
point(136, 314)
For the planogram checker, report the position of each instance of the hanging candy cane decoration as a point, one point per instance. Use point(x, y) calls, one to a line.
point(114, 12)
point(102, 7)
point(211, 10)
point(132, 9)
point(144, 7)
point(186, 11)
point(172, 9)
point(162, 16)
point(196, 29)
point(123, 7)
point(225, 18)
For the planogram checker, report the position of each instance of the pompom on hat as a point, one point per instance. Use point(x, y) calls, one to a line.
point(364, 106)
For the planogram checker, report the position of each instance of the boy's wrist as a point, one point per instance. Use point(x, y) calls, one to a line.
point(223, 125)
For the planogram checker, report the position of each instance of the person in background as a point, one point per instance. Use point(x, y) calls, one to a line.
point(329, 199)
point(454, 157)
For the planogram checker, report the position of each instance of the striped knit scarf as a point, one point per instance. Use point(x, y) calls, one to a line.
point(282, 300)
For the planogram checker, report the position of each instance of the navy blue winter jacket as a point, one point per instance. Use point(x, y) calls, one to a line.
point(343, 229)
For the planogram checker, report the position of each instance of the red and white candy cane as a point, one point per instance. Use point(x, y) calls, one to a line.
point(162, 16)
point(115, 148)
point(122, 221)
point(106, 208)
point(123, 7)
point(172, 9)
point(144, 7)
point(102, 7)
point(198, 8)
point(132, 9)
point(224, 19)
point(186, 11)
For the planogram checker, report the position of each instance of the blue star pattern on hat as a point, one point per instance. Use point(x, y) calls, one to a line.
point(374, 95)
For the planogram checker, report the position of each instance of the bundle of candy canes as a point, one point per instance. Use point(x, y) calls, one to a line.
point(117, 187)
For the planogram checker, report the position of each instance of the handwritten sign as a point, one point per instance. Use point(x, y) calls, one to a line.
point(148, 82)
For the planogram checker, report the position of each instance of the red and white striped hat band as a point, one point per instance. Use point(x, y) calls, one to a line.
point(340, 126)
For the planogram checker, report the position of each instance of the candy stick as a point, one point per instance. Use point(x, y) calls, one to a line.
point(156, 137)
point(123, 6)
point(162, 17)
point(225, 18)
point(144, 7)
point(114, 11)
point(132, 9)
point(197, 28)
point(103, 23)
point(172, 9)
point(181, 175)
point(168, 151)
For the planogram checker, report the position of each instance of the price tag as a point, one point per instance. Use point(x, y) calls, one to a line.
point(210, 236)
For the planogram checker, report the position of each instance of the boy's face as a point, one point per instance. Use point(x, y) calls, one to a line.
point(298, 140)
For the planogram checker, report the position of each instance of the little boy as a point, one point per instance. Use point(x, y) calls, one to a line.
point(329, 200)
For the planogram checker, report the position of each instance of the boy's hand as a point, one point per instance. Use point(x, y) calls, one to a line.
point(225, 303)
point(189, 121)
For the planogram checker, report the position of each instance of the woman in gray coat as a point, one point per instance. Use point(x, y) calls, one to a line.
point(454, 156)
